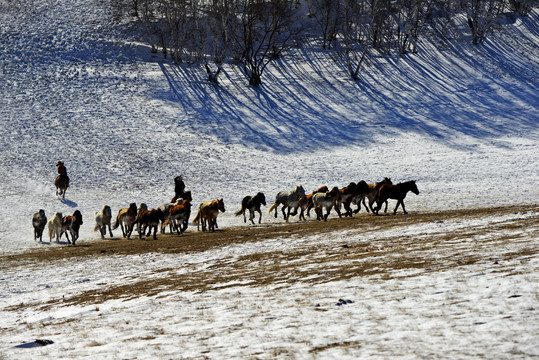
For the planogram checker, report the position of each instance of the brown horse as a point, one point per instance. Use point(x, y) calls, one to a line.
point(39, 221)
point(252, 203)
point(372, 194)
point(178, 217)
point(397, 192)
point(349, 194)
point(127, 217)
point(307, 202)
point(61, 183)
point(208, 210)
point(71, 224)
point(149, 219)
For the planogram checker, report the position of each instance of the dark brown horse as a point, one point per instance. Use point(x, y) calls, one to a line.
point(349, 194)
point(149, 219)
point(72, 225)
point(61, 183)
point(39, 220)
point(252, 203)
point(397, 192)
point(372, 195)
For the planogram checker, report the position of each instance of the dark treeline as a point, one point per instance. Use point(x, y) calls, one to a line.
point(253, 33)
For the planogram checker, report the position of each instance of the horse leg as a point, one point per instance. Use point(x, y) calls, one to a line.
point(338, 209)
point(402, 205)
point(110, 230)
point(283, 209)
point(260, 216)
point(328, 210)
point(252, 216)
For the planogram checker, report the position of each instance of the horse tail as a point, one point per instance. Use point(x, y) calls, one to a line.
point(97, 228)
point(197, 217)
point(243, 208)
point(165, 223)
point(272, 207)
point(116, 223)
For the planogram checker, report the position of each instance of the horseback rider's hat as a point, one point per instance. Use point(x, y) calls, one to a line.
point(59, 163)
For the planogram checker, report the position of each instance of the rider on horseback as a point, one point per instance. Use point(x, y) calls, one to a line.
point(61, 168)
point(62, 180)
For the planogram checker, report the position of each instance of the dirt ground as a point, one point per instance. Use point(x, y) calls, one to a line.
point(432, 251)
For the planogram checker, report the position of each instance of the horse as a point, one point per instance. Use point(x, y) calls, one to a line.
point(165, 208)
point(55, 227)
point(72, 225)
point(148, 219)
point(397, 192)
point(252, 203)
point(307, 202)
point(102, 221)
point(61, 183)
point(325, 200)
point(208, 210)
point(289, 200)
point(372, 195)
point(178, 217)
point(348, 194)
point(127, 217)
point(39, 221)
point(359, 190)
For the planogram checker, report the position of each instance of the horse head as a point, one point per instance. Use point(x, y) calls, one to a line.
point(362, 187)
point(260, 196)
point(221, 204)
point(77, 218)
point(300, 191)
point(159, 214)
point(107, 211)
point(413, 187)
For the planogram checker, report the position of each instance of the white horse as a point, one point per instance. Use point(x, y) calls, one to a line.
point(55, 227)
point(325, 200)
point(102, 221)
point(289, 200)
point(165, 208)
point(39, 220)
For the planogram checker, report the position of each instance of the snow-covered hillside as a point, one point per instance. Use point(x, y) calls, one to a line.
point(75, 86)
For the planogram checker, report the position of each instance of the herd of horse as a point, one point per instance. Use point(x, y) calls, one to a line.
point(176, 213)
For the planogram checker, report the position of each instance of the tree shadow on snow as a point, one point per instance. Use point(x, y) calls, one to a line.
point(311, 104)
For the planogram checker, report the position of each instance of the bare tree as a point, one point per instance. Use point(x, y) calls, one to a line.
point(357, 35)
point(267, 29)
point(412, 16)
point(522, 7)
point(328, 15)
point(482, 16)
